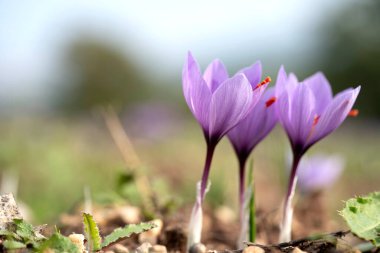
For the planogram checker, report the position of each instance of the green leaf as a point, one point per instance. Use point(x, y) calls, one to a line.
point(91, 232)
point(126, 231)
point(24, 229)
point(59, 243)
point(252, 205)
point(362, 215)
point(10, 244)
point(6, 233)
point(19, 232)
point(125, 178)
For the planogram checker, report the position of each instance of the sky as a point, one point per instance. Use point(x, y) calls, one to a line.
point(156, 34)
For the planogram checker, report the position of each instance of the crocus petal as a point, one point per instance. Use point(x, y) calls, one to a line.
point(251, 130)
point(230, 103)
point(196, 92)
point(281, 81)
point(284, 107)
point(296, 113)
point(253, 73)
point(291, 83)
point(215, 74)
point(189, 71)
point(283, 113)
point(302, 113)
point(321, 89)
point(334, 114)
point(285, 89)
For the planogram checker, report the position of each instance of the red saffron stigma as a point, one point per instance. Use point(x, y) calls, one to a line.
point(353, 113)
point(265, 81)
point(270, 101)
point(316, 119)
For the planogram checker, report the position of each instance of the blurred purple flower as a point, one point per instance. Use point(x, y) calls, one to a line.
point(308, 112)
point(319, 172)
point(218, 103)
point(153, 120)
point(249, 132)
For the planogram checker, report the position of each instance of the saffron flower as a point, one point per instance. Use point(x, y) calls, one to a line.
point(218, 103)
point(245, 136)
point(319, 172)
point(308, 112)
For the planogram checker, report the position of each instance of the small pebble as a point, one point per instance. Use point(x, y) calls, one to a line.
point(152, 235)
point(129, 214)
point(118, 248)
point(48, 250)
point(158, 249)
point(297, 250)
point(144, 248)
point(78, 240)
point(225, 214)
point(198, 248)
point(253, 249)
point(8, 211)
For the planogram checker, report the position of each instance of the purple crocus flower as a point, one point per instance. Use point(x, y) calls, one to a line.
point(254, 128)
point(319, 172)
point(308, 112)
point(218, 103)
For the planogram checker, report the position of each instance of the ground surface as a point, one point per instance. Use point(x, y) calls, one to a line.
point(220, 230)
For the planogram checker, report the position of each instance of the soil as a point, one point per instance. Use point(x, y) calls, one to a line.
point(220, 228)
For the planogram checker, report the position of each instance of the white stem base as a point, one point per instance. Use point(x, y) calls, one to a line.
point(244, 222)
point(286, 225)
point(195, 224)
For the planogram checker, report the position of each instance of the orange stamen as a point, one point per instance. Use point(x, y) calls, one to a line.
point(353, 113)
point(265, 81)
point(315, 122)
point(316, 119)
point(270, 101)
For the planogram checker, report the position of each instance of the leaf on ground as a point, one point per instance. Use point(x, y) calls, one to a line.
point(362, 215)
point(126, 231)
point(91, 232)
point(10, 244)
point(6, 233)
point(24, 229)
point(22, 234)
point(59, 243)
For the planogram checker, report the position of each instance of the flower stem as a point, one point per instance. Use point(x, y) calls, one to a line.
point(286, 225)
point(195, 224)
point(242, 162)
point(252, 205)
point(206, 169)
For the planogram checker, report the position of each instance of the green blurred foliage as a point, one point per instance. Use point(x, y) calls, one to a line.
point(99, 74)
point(351, 52)
point(55, 160)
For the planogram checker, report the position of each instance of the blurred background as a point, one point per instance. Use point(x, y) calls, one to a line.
point(62, 61)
